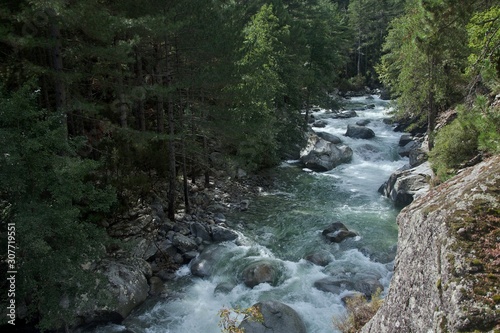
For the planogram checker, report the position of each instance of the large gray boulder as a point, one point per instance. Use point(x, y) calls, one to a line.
point(359, 132)
point(221, 234)
point(329, 137)
point(405, 185)
point(205, 263)
point(446, 268)
point(184, 243)
point(321, 155)
point(278, 318)
point(125, 286)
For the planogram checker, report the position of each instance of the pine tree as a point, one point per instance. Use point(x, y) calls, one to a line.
point(55, 203)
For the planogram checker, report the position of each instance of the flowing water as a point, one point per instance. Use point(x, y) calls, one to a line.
point(283, 226)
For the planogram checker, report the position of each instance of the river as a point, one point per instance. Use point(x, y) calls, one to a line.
point(284, 225)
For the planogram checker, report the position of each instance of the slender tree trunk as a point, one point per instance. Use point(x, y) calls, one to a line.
point(160, 112)
point(431, 115)
point(171, 142)
point(187, 207)
point(140, 97)
point(205, 145)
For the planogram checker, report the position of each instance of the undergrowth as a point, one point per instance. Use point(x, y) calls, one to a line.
point(359, 312)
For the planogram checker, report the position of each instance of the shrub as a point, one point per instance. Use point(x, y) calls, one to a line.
point(359, 312)
point(455, 144)
point(476, 130)
point(230, 318)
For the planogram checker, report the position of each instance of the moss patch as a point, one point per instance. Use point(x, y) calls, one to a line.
point(477, 234)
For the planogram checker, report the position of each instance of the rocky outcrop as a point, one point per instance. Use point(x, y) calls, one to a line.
point(278, 318)
point(446, 268)
point(321, 155)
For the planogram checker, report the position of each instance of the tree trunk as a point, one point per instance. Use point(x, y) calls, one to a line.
point(140, 97)
point(171, 141)
point(160, 112)
point(431, 113)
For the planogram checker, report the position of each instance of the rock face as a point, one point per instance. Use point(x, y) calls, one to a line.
point(321, 155)
point(278, 318)
point(446, 268)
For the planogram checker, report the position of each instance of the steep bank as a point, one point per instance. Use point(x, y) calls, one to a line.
point(447, 268)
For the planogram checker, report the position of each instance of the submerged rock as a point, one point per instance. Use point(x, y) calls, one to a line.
point(278, 318)
point(322, 258)
point(366, 286)
point(263, 271)
point(337, 232)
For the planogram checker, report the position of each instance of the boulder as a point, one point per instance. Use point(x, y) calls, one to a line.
point(359, 132)
point(405, 139)
point(321, 155)
point(200, 230)
point(145, 249)
point(337, 232)
point(205, 263)
point(405, 185)
point(126, 283)
point(406, 149)
point(221, 234)
point(278, 318)
point(224, 287)
point(184, 243)
point(347, 114)
point(263, 271)
point(363, 122)
point(321, 258)
point(366, 286)
point(329, 137)
point(417, 156)
point(320, 123)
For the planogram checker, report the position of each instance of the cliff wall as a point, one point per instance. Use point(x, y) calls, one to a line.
point(447, 268)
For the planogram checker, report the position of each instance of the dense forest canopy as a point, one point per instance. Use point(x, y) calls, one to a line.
point(101, 99)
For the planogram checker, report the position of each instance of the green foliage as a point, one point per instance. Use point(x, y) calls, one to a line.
point(477, 129)
point(425, 57)
point(484, 43)
point(359, 312)
point(52, 193)
point(455, 144)
point(368, 21)
point(230, 318)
